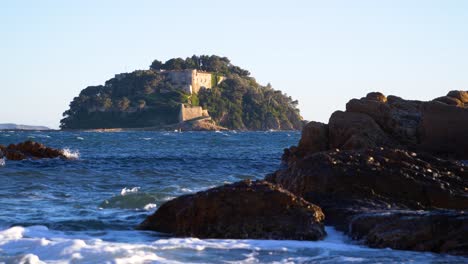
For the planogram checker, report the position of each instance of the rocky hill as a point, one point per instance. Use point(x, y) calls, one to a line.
point(150, 98)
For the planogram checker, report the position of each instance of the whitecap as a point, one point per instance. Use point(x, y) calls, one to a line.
point(147, 138)
point(130, 198)
point(71, 154)
point(149, 207)
point(126, 190)
point(79, 138)
point(38, 244)
point(186, 190)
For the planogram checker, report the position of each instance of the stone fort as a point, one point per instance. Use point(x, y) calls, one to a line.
point(188, 112)
point(190, 80)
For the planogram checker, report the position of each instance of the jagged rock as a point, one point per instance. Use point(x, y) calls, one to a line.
point(349, 130)
point(30, 149)
point(377, 96)
point(241, 210)
point(376, 120)
point(397, 117)
point(444, 129)
point(314, 137)
point(357, 188)
point(449, 100)
point(460, 95)
point(442, 231)
point(416, 181)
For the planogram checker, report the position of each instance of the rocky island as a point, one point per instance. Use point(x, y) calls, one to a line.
point(196, 93)
point(388, 172)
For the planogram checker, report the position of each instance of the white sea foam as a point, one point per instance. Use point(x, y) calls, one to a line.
point(71, 154)
point(2, 162)
point(126, 190)
point(79, 138)
point(38, 244)
point(150, 206)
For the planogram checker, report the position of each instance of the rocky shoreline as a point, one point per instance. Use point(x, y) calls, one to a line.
point(386, 171)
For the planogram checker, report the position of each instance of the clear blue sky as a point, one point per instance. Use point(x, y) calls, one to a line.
point(320, 52)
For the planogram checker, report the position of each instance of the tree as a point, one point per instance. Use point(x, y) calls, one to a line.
point(156, 65)
point(123, 104)
point(176, 64)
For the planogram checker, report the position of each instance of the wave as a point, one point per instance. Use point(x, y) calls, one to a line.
point(38, 244)
point(130, 198)
point(71, 154)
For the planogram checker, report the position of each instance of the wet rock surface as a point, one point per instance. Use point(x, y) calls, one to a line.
point(30, 150)
point(241, 210)
point(443, 231)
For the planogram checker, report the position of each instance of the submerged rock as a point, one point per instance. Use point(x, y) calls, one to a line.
point(30, 149)
point(253, 210)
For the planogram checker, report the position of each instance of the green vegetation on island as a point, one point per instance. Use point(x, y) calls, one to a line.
point(152, 98)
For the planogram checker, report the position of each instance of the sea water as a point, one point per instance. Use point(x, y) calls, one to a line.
point(84, 210)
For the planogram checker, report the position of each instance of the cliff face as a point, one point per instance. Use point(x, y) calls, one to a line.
point(152, 98)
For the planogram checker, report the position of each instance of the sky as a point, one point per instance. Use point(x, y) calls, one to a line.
point(322, 53)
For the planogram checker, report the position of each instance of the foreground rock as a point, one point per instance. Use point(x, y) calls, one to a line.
point(439, 126)
point(30, 149)
point(384, 171)
point(254, 210)
point(387, 197)
point(437, 230)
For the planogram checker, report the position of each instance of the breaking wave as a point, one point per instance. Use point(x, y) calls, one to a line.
point(71, 154)
point(130, 198)
point(38, 244)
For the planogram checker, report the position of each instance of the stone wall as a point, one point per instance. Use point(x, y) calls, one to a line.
point(181, 80)
point(199, 80)
point(190, 81)
point(188, 112)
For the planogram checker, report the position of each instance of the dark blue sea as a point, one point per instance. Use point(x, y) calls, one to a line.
point(84, 210)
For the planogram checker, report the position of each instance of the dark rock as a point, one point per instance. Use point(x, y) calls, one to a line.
point(444, 129)
point(349, 130)
point(414, 180)
point(30, 149)
point(353, 187)
point(376, 121)
point(241, 210)
point(442, 231)
point(460, 95)
point(449, 100)
point(377, 96)
point(314, 137)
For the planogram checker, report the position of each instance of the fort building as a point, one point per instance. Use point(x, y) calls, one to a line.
point(191, 81)
point(188, 112)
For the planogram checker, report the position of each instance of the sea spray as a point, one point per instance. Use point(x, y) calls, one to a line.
point(71, 154)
